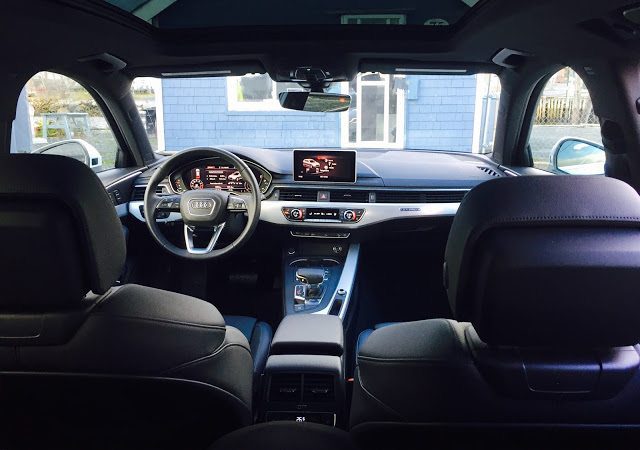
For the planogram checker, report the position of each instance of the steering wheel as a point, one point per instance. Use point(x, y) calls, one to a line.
point(202, 210)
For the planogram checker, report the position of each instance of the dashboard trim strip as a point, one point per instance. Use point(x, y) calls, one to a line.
point(271, 211)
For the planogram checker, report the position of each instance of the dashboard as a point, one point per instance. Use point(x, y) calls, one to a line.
point(335, 190)
point(213, 173)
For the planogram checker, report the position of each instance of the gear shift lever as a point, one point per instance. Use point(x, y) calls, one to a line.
point(310, 289)
point(308, 275)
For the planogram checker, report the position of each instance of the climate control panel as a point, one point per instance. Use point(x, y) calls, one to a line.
point(332, 215)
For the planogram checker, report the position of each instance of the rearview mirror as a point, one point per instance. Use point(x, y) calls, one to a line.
point(314, 101)
point(576, 156)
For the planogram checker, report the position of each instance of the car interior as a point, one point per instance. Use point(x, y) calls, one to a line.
point(391, 224)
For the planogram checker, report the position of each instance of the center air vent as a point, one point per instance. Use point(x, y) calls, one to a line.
point(349, 196)
point(300, 195)
point(366, 196)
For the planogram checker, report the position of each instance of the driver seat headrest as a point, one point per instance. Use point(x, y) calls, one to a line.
point(59, 233)
point(538, 261)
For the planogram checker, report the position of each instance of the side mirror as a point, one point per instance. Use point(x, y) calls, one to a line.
point(314, 101)
point(76, 149)
point(575, 156)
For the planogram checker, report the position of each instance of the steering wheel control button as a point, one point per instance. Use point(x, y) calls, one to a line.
point(171, 203)
point(237, 204)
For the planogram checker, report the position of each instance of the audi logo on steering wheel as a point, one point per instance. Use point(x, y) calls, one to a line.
point(201, 206)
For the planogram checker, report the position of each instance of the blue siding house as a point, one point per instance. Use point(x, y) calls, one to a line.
point(414, 112)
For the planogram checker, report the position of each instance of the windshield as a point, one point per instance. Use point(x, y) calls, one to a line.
point(415, 112)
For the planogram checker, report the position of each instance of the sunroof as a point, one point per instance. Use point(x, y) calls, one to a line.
point(234, 13)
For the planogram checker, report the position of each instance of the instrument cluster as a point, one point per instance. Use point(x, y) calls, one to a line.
point(214, 173)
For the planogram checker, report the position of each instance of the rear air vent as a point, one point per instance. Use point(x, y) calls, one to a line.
point(489, 171)
point(420, 196)
point(285, 388)
point(300, 195)
point(348, 196)
point(138, 192)
point(318, 388)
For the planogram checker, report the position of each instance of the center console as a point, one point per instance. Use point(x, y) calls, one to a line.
point(304, 375)
point(319, 276)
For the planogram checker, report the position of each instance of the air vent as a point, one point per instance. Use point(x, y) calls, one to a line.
point(300, 195)
point(349, 196)
point(138, 193)
point(419, 196)
point(318, 388)
point(489, 171)
point(285, 388)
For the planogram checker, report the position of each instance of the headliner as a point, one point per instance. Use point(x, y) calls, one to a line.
point(205, 14)
point(549, 31)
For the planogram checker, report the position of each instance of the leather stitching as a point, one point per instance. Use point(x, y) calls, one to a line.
point(204, 358)
point(376, 399)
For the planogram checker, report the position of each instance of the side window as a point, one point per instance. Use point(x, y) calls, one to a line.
point(565, 137)
point(55, 115)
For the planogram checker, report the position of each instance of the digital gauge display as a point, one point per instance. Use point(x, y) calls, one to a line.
point(225, 178)
point(209, 174)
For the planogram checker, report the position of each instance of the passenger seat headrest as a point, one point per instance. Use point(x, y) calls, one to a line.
point(547, 261)
point(60, 236)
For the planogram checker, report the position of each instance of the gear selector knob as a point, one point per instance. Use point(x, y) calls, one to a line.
point(310, 275)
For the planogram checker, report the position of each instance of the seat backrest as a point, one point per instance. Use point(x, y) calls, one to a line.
point(541, 273)
point(84, 411)
point(87, 365)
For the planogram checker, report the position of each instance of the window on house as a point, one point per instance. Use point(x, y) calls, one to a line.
point(58, 116)
point(255, 92)
point(565, 137)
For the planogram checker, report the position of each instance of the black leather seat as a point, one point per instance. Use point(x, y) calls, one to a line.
point(84, 364)
point(542, 273)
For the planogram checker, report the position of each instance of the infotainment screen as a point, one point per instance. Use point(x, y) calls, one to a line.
point(337, 166)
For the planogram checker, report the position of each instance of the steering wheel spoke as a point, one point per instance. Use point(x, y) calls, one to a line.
point(190, 232)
